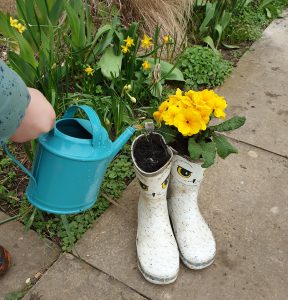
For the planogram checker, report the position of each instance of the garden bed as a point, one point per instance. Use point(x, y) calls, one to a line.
point(123, 74)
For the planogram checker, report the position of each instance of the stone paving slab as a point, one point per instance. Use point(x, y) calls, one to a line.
point(258, 89)
point(70, 278)
point(30, 254)
point(244, 199)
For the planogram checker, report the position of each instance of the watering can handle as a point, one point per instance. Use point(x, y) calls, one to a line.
point(17, 162)
point(93, 118)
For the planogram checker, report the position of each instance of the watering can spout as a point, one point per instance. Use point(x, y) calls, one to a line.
point(121, 141)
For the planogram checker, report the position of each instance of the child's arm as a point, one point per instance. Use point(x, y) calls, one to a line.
point(24, 113)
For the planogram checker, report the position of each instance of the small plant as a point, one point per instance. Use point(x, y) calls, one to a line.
point(187, 117)
point(203, 68)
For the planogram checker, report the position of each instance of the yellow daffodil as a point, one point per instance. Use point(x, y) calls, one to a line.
point(166, 39)
point(125, 49)
point(133, 99)
point(129, 41)
point(16, 24)
point(21, 28)
point(89, 71)
point(13, 22)
point(146, 42)
point(146, 65)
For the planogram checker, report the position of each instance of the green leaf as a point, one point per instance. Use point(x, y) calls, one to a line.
point(24, 69)
point(208, 40)
point(168, 71)
point(208, 153)
point(168, 133)
point(31, 219)
point(230, 124)
point(110, 63)
point(224, 148)
point(77, 26)
point(195, 150)
point(264, 3)
point(156, 89)
point(230, 46)
point(210, 10)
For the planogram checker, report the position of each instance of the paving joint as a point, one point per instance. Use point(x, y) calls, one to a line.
point(255, 146)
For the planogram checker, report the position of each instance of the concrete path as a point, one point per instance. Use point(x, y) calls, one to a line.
point(244, 200)
point(30, 255)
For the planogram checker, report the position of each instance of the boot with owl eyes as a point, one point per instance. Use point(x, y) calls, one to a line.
point(157, 252)
point(195, 240)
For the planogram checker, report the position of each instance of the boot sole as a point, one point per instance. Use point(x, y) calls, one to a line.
point(196, 266)
point(155, 280)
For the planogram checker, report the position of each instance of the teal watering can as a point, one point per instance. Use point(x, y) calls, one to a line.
point(70, 163)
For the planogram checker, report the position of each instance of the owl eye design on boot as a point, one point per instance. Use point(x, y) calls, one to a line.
point(143, 186)
point(165, 183)
point(183, 172)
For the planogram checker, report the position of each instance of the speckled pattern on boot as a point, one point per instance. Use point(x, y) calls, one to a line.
point(158, 256)
point(194, 238)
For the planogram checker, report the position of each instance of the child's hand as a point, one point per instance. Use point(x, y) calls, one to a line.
point(39, 118)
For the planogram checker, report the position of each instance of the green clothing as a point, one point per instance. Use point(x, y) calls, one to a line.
point(14, 99)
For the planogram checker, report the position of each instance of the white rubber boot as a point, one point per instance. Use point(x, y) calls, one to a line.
point(157, 251)
point(194, 238)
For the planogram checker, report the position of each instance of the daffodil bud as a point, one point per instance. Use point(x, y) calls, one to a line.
point(133, 99)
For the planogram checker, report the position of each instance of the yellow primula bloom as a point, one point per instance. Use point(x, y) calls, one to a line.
point(158, 116)
point(146, 42)
point(164, 106)
point(129, 41)
point(219, 106)
point(215, 102)
point(146, 65)
point(170, 114)
point(89, 71)
point(124, 49)
point(166, 39)
point(189, 122)
point(190, 113)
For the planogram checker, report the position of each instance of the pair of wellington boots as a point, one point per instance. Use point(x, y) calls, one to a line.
point(158, 245)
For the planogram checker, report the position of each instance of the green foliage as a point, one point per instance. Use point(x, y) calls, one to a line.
point(68, 230)
point(247, 24)
point(203, 68)
point(231, 124)
point(205, 144)
point(212, 19)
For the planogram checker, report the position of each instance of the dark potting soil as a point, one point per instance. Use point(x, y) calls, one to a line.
point(151, 153)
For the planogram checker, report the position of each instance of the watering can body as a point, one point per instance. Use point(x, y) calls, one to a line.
point(70, 163)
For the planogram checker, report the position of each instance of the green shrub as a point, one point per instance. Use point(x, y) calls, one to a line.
point(203, 68)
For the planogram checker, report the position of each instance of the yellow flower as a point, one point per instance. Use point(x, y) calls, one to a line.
point(146, 65)
point(21, 28)
point(219, 106)
point(146, 42)
point(166, 39)
point(89, 70)
point(170, 114)
point(13, 22)
point(189, 122)
point(124, 49)
point(215, 102)
point(129, 41)
point(158, 116)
